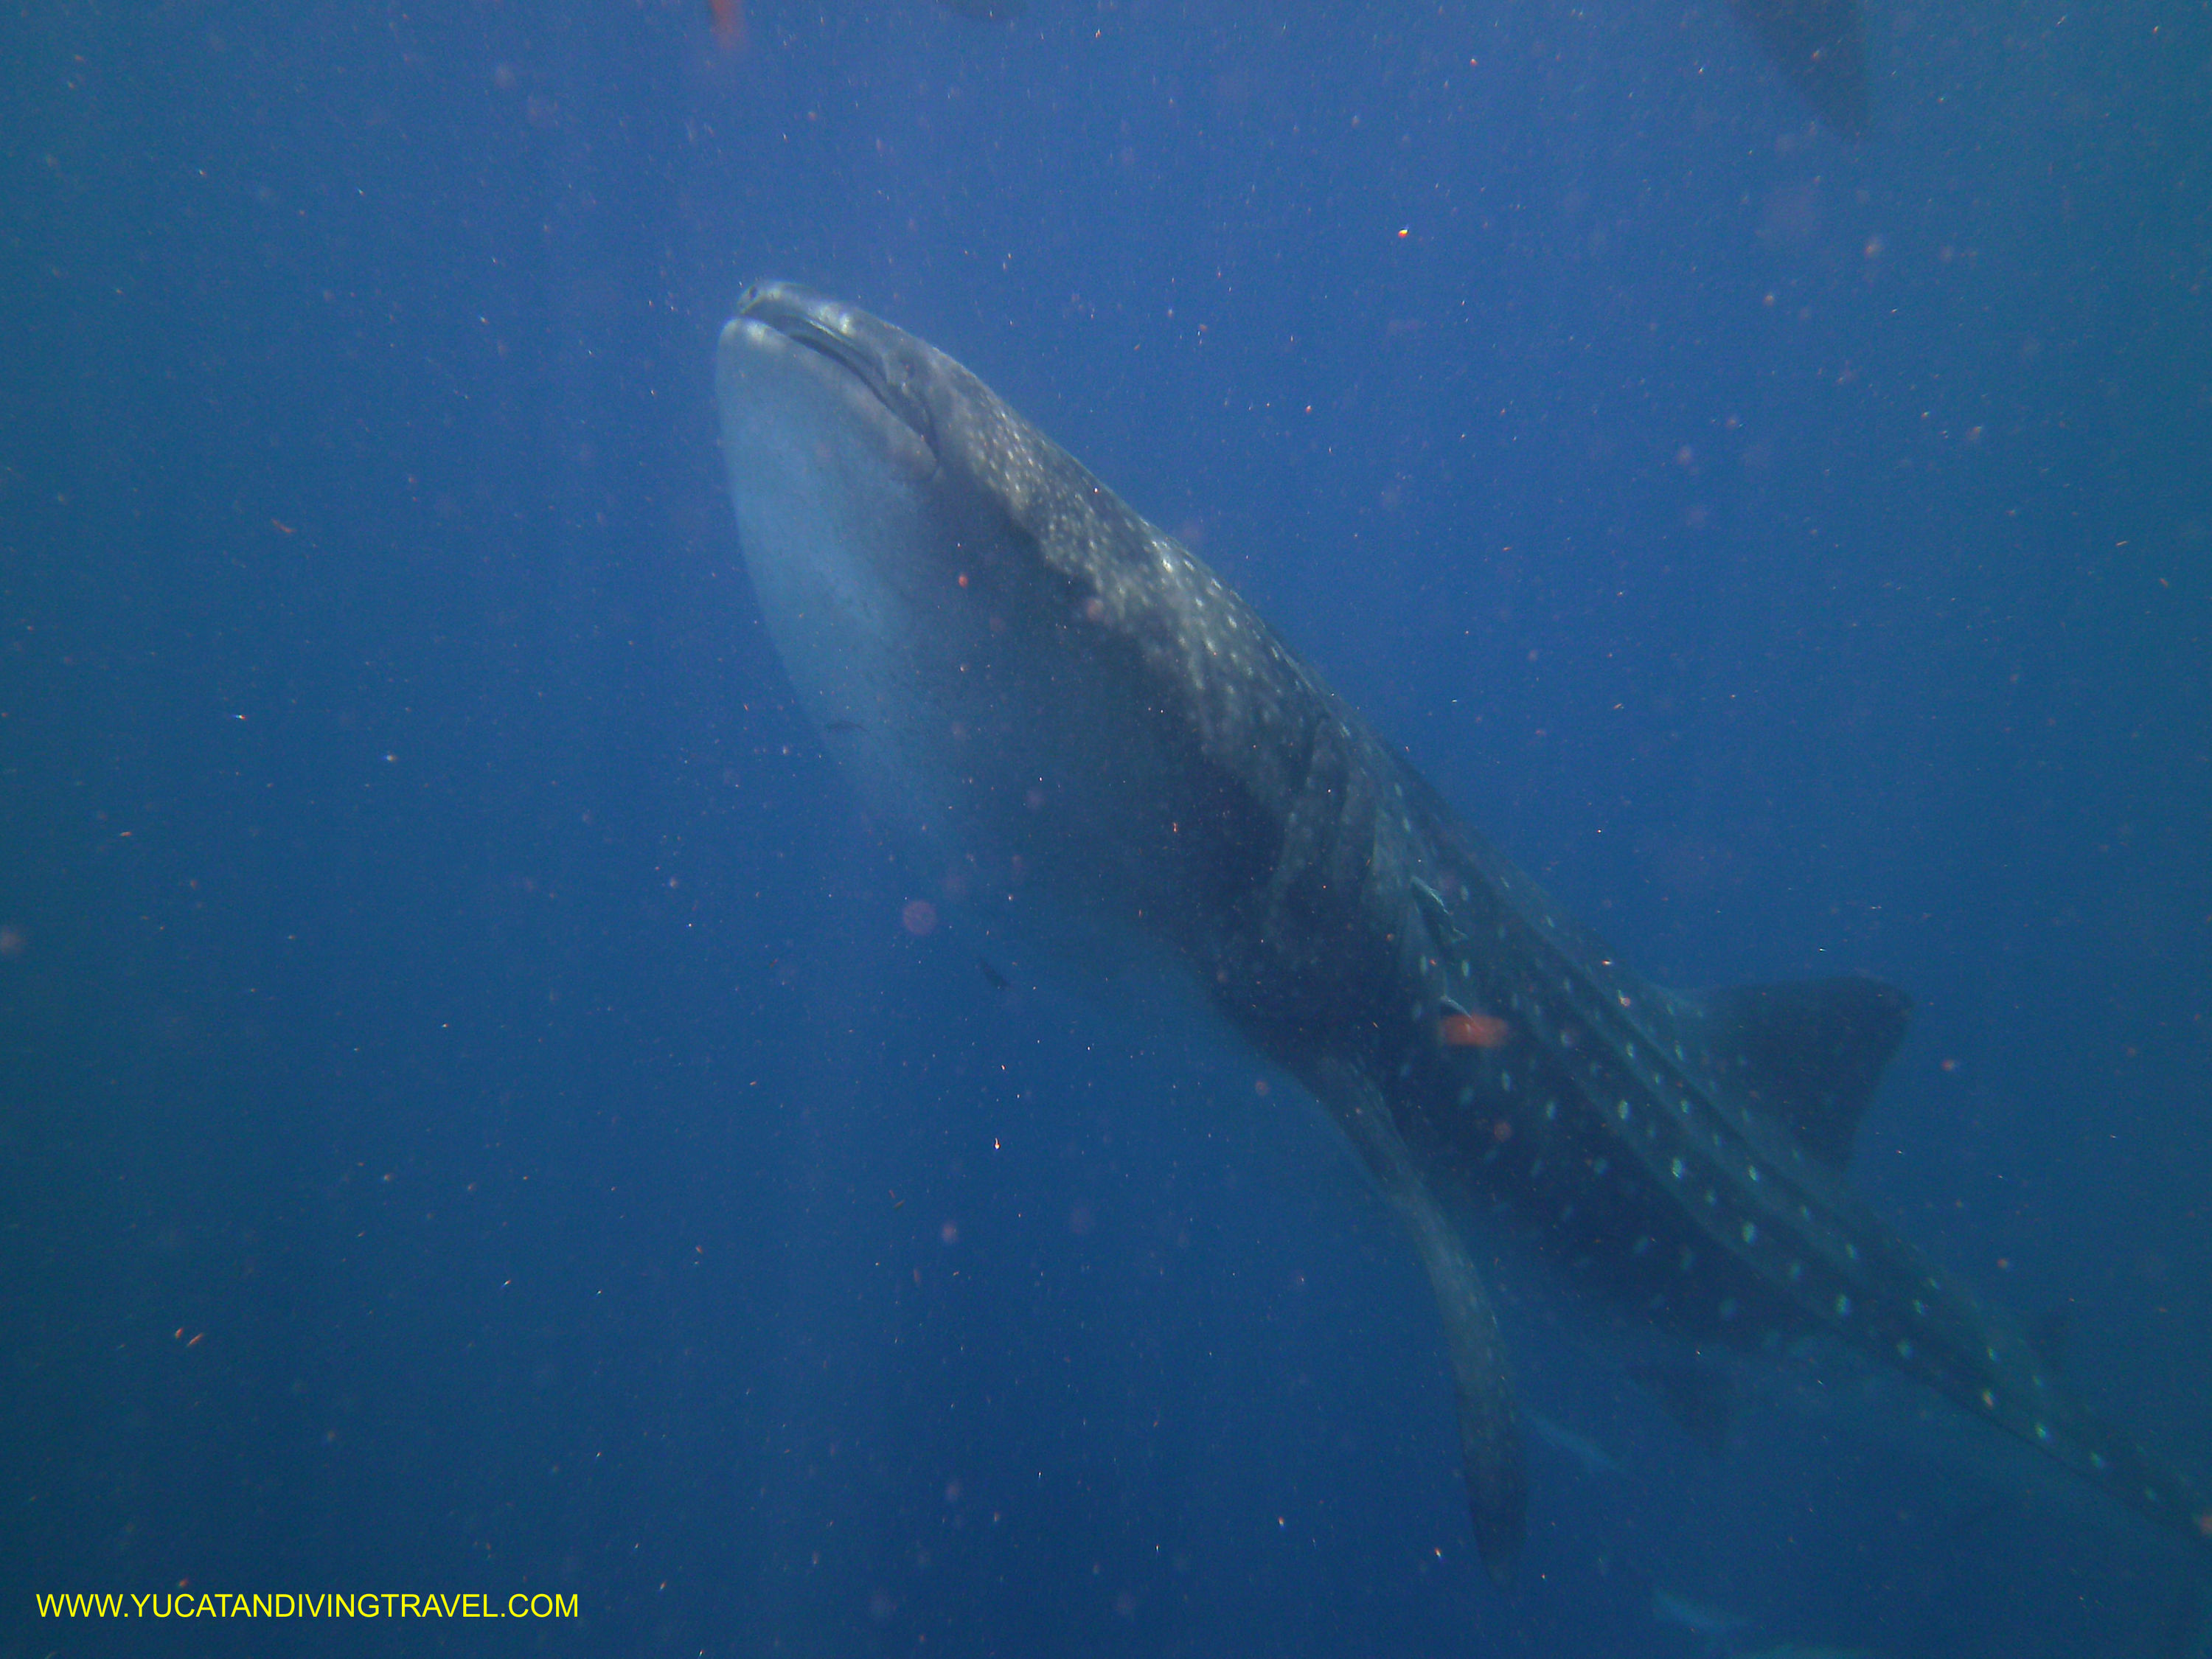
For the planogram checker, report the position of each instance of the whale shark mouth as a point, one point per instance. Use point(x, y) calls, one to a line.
point(844, 338)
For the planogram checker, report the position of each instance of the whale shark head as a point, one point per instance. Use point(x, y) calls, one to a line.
point(994, 647)
point(861, 546)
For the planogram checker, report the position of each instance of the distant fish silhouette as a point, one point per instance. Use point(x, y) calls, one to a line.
point(1820, 47)
point(987, 11)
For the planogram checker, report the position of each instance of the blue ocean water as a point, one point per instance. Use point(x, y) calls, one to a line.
point(471, 1119)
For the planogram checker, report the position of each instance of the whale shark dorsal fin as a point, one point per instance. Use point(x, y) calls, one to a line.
point(1807, 1053)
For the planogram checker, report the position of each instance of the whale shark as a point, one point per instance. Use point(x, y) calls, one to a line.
point(1051, 705)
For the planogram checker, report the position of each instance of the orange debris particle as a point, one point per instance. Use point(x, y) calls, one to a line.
point(1472, 1031)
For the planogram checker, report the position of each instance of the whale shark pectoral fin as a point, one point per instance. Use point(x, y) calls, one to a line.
point(1489, 1424)
point(1490, 1445)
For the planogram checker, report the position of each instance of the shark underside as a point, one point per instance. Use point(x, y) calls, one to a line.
point(1032, 687)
